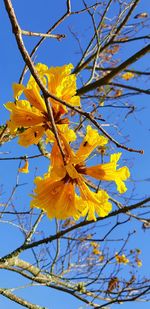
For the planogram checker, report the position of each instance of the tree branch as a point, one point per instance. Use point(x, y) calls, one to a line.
point(46, 240)
point(19, 300)
point(106, 79)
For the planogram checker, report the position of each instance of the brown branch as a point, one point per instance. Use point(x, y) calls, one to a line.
point(96, 35)
point(67, 13)
point(121, 300)
point(22, 157)
point(54, 128)
point(125, 40)
point(106, 79)
point(92, 39)
point(4, 129)
point(18, 212)
point(123, 210)
point(126, 70)
point(130, 87)
point(85, 10)
point(81, 66)
point(17, 32)
point(88, 116)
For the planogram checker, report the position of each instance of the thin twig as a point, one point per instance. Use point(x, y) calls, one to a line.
point(107, 78)
point(78, 225)
point(67, 13)
point(45, 35)
point(80, 66)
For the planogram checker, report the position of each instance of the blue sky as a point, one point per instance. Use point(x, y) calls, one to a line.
point(36, 16)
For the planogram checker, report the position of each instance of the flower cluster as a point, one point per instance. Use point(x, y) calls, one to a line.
point(64, 191)
point(121, 259)
point(30, 116)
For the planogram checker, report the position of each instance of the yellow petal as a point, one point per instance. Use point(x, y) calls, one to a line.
point(75, 101)
point(63, 85)
point(57, 164)
point(108, 172)
point(121, 259)
point(50, 136)
point(56, 198)
point(31, 136)
point(72, 171)
point(35, 99)
point(115, 157)
point(90, 142)
point(123, 174)
point(68, 133)
point(121, 187)
point(25, 168)
point(41, 70)
point(18, 90)
point(93, 202)
point(23, 115)
point(12, 127)
point(128, 75)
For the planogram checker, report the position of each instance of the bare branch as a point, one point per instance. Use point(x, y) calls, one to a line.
point(45, 35)
point(107, 78)
point(19, 300)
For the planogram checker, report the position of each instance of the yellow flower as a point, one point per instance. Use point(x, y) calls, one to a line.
point(109, 172)
point(91, 140)
point(96, 251)
point(62, 84)
point(139, 262)
point(94, 244)
point(127, 75)
point(25, 168)
point(31, 116)
point(101, 258)
point(55, 193)
point(72, 175)
point(121, 259)
point(56, 197)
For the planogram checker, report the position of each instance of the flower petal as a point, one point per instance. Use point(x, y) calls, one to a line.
point(18, 90)
point(25, 168)
point(41, 70)
point(35, 99)
point(62, 84)
point(68, 133)
point(128, 75)
point(56, 198)
point(23, 115)
point(108, 172)
point(93, 202)
point(57, 164)
point(31, 136)
point(90, 142)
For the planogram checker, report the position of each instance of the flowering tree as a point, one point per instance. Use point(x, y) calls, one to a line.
point(61, 114)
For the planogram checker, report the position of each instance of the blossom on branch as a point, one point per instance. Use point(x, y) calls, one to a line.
point(30, 115)
point(128, 75)
point(121, 259)
point(25, 168)
point(57, 192)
